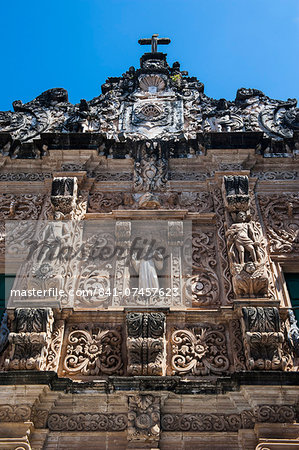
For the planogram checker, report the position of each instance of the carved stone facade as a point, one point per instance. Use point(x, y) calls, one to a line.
point(209, 357)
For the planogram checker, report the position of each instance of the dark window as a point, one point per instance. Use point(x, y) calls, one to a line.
point(6, 282)
point(292, 280)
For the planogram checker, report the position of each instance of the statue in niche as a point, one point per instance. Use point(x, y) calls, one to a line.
point(241, 236)
point(147, 266)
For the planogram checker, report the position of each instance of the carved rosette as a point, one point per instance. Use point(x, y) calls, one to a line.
point(200, 350)
point(144, 418)
point(93, 353)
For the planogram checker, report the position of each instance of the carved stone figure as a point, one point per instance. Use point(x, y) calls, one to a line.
point(241, 238)
point(147, 268)
point(247, 257)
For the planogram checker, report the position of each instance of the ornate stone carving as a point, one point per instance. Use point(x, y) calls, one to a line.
point(236, 192)
point(39, 417)
point(276, 175)
point(236, 341)
point(275, 413)
point(280, 216)
point(146, 343)
point(19, 207)
point(144, 418)
point(263, 339)
point(223, 255)
point(194, 422)
point(200, 202)
point(203, 286)
point(30, 340)
point(14, 413)
point(87, 422)
point(25, 176)
point(247, 253)
point(4, 332)
point(54, 350)
point(104, 202)
point(293, 333)
point(93, 353)
point(150, 168)
point(201, 350)
point(200, 422)
point(155, 100)
point(64, 195)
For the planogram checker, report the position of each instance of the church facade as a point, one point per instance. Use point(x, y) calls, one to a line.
point(192, 346)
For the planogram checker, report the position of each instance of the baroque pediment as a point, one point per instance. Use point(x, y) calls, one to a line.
point(153, 101)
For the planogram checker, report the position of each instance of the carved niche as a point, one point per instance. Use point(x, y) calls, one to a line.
point(263, 339)
point(245, 241)
point(201, 350)
point(29, 342)
point(146, 343)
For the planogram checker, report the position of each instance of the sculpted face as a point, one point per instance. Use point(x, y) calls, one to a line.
point(241, 217)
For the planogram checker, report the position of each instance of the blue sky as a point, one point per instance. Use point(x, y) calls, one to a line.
point(77, 44)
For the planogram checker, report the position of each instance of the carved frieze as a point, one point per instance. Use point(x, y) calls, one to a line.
point(201, 350)
point(201, 202)
point(201, 422)
point(14, 413)
point(20, 207)
point(87, 422)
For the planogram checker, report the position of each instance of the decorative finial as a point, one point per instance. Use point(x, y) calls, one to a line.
point(154, 41)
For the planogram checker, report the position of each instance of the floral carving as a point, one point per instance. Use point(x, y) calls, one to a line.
point(281, 218)
point(200, 422)
point(87, 422)
point(263, 339)
point(14, 413)
point(145, 343)
point(203, 286)
point(144, 418)
point(19, 207)
point(200, 351)
point(92, 353)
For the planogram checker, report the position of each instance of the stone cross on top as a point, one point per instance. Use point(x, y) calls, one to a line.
point(154, 41)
